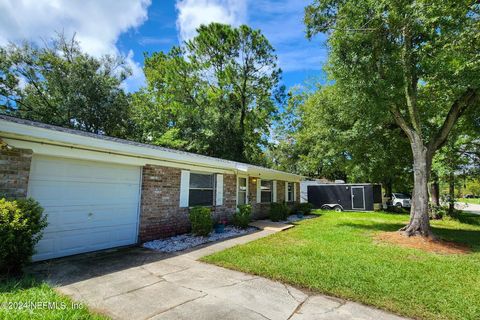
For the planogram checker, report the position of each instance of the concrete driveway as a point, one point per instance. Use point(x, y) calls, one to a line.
point(137, 283)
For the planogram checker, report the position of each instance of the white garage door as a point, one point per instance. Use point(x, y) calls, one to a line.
point(90, 205)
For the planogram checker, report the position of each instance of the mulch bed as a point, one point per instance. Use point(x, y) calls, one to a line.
point(423, 243)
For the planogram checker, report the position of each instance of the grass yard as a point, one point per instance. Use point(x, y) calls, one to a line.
point(18, 300)
point(336, 254)
point(472, 201)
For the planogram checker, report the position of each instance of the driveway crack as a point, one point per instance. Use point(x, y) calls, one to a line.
point(175, 306)
point(291, 295)
point(237, 282)
point(165, 274)
point(129, 291)
point(297, 309)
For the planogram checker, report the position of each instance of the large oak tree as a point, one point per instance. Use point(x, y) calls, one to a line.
point(215, 94)
point(417, 61)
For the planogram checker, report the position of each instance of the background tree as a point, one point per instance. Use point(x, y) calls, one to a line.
point(394, 56)
point(215, 95)
point(327, 138)
point(59, 84)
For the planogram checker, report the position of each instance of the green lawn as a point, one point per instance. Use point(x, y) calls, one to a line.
point(335, 254)
point(473, 201)
point(20, 299)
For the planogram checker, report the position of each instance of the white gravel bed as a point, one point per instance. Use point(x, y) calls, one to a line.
point(185, 241)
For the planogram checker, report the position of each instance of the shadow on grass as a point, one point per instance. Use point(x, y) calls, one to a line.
point(374, 226)
point(469, 218)
point(468, 237)
point(15, 284)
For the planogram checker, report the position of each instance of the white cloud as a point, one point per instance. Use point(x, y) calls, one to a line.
point(137, 79)
point(97, 24)
point(193, 13)
point(281, 22)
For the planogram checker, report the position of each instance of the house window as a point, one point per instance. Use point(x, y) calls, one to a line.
point(201, 189)
point(242, 190)
point(266, 191)
point(290, 192)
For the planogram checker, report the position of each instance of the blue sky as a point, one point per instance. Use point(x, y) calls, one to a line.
point(133, 27)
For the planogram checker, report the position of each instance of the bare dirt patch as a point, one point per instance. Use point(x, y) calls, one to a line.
point(426, 244)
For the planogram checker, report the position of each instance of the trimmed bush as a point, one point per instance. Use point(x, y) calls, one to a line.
point(241, 218)
point(306, 208)
point(201, 220)
point(21, 223)
point(278, 211)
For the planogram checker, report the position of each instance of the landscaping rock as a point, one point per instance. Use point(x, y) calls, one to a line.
point(185, 241)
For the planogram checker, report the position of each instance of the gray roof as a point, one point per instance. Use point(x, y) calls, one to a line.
point(123, 141)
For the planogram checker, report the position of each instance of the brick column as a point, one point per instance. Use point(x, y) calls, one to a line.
point(281, 197)
point(161, 215)
point(14, 172)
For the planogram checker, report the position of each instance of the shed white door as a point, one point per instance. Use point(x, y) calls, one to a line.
point(90, 205)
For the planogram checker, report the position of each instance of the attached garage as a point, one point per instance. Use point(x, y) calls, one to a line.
point(90, 205)
point(101, 192)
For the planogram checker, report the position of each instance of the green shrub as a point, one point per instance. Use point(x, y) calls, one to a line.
point(306, 208)
point(21, 223)
point(241, 218)
point(278, 211)
point(437, 212)
point(201, 220)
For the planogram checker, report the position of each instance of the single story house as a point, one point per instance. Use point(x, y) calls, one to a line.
point(101, 192)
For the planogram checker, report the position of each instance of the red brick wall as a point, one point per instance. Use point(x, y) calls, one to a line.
point(227, 210)
point(261, 210)
point(14, 172)
point(281, 191)
point(161, 215)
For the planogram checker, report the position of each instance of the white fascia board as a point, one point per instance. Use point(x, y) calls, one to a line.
point(22, 132)
point(74, 153)
point(53, 136)
point(269, 174)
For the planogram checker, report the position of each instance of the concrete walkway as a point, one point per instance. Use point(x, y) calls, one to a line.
point(137, 283)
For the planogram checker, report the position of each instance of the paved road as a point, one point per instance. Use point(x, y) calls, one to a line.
point(473, 208)
point(141, 284)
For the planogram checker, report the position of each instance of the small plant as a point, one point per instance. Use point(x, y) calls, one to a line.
point(220, 226)
point(437, 212)
point(242, 217)
point(21, 223)
point(201, 220)
point(278, 211)
point(305, 208)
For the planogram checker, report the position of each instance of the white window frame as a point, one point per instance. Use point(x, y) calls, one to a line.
point(286, 191)
point(238, 188)
point(259, 191)
point(214, 188)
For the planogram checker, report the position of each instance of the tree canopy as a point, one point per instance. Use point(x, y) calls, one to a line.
point(61, 85)
point(216, 94)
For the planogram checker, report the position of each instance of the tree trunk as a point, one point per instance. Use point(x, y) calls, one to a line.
point(419, 219)
point(435, 190)
point(388, 188)
point(451, 193)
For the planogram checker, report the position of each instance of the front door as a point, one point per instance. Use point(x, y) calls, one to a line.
point(358, 198)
